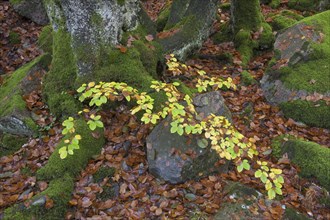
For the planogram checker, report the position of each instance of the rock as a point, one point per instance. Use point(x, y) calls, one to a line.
point(14, 117)
point(298, 78)
point(167, 153)
point(32, 9)
point(242, 198)
point(317, 164)
point(10, 143)
point(39, 201)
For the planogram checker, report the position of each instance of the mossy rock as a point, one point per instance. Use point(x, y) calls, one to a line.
point(311, 113)
point(14, 38)
point(317, 164)
point(308, 5)
point(291, 214)
point(306, 72)
point(163, 17)
point(73, 164)
point(284, 19)
point(14, 117)
point(32, 9)
point(10, 143)
point(59, 191)
point(104, 172)
point(45, 41)
point(247, 79)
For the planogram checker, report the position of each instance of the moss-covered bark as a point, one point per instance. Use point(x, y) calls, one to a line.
point(192, 19)
point(246, 18)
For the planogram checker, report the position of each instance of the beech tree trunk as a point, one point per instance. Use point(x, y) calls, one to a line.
point(87, 34)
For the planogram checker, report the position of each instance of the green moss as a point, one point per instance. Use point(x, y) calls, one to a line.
point(108, 192)
point(121, 2)
point(245, 45)
point(305, 5)
point(316, 69)
point(14, 38)
point(163, 17)
point(312, 114)
point(225, 6)
point(11, 143)
point(45, 41)
point(15, 2)
point(10, 93)
point(275, 3)
point(61, 77)
point(317, 164)
point(291, 214)
point(59, 191)
point(223, 35)
point(73, 164)
point(103, 172)
point(247, 79)
point(26, 171)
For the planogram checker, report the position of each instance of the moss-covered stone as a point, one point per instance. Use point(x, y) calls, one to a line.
point(291, 214)
point(163, 17)
point(59, 191)
point(317, 164)
point(307, 5)
point(14, 38)
point(11, 102)
point(313, 114)
point(45, 41)
point(73, 164)
point(10, 143)
point(275, 3)
point(103, 172)
point(284, 19)
point(247, 79)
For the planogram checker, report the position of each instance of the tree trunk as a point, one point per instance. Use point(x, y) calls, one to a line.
point(102, 40)
point(246, 19)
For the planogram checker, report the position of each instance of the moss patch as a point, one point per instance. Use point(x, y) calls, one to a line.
point(73, 164)
point(284, 19)
point(317, 164)
point(10, 143)
point(14, 38)
point(59, 191)
point(45, 41)
point(104, 172)
point(61, 77)
point(163, 17)
point(247, 79)
point(317, 67)
point(312, 114)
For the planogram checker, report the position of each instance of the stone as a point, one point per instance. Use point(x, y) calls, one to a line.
point(297, 78)
point(167, 153)
point(242, 197)
point(32, 9)
point(14, 117)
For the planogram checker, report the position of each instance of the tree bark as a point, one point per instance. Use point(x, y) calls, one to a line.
point(246, 18)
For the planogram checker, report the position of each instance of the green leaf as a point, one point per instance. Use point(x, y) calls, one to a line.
point(174, 129)
point(81, 89)
point(180, 130)
point(99, 124)
point(271, 194)
point(258, 174)
point(280, 179)
point(278, 191)
point(246, 165)
point(176, 84)
point(202, 143)
point(92, 125)
point(104, 99)
point(240, 168)
point(263, 177)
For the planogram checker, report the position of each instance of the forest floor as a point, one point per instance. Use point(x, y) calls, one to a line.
point(140, 195)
